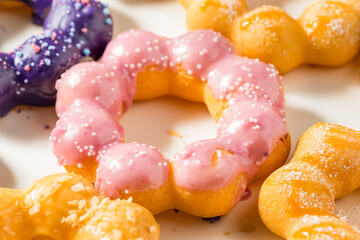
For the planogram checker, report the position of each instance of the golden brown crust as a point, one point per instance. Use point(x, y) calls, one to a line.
point(327, 33)
point(301, 195)
point(66, 206)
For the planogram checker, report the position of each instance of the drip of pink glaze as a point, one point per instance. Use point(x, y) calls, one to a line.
point(82, 131)
point(129, 167)
point(194, 169)
point(249, 129)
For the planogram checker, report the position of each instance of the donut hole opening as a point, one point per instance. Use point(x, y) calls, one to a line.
point(168, 123)
point(15, 23)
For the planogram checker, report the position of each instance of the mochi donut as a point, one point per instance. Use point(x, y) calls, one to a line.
point(67, 207)
point(301, 195)
point(207, 178)
point(72, 30)
point(327, 33)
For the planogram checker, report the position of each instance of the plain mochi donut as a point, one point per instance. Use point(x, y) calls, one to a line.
point(66, 206)
point(326, 34)
point(207, 178)
point(301, 195)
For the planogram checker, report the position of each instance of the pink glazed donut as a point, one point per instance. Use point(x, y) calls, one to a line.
point(207, 178)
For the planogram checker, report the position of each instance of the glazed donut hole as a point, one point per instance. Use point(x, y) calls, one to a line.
point(331, 46)
point(252, 33)
point(214, 14)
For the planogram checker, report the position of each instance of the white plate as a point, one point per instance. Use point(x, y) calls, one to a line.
point(313, 94)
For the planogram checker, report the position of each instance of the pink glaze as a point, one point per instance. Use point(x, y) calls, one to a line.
point(249, 129)
point(82, 131)
point(89, 81)
point(128, 165)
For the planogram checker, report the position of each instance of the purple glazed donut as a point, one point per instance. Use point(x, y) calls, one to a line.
point(72, 29)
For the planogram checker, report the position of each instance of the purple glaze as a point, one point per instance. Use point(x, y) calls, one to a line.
point(72, 29)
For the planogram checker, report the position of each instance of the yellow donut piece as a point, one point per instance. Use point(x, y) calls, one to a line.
point(301, 195)
point(66, 206)
point(327, 33)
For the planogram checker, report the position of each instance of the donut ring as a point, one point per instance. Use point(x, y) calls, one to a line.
point(327, 33)
point(72, 30)
point(244, 96)
point(301, 195)
point(67, 207)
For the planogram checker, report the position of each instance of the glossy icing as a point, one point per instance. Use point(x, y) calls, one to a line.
point(302, 194)
point(72, 30)
point(248, 132)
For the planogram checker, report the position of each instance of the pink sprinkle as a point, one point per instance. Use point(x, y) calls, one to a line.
point(53, 35)
point(85, 1)
point(84, 30)
point(27, 68)
point(36, 48)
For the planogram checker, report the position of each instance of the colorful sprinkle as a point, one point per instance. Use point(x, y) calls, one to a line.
point(36, 48)
point(19, 54)
point(86, 52)
point(43, 57)
point(47, 61)
point(108, 21)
